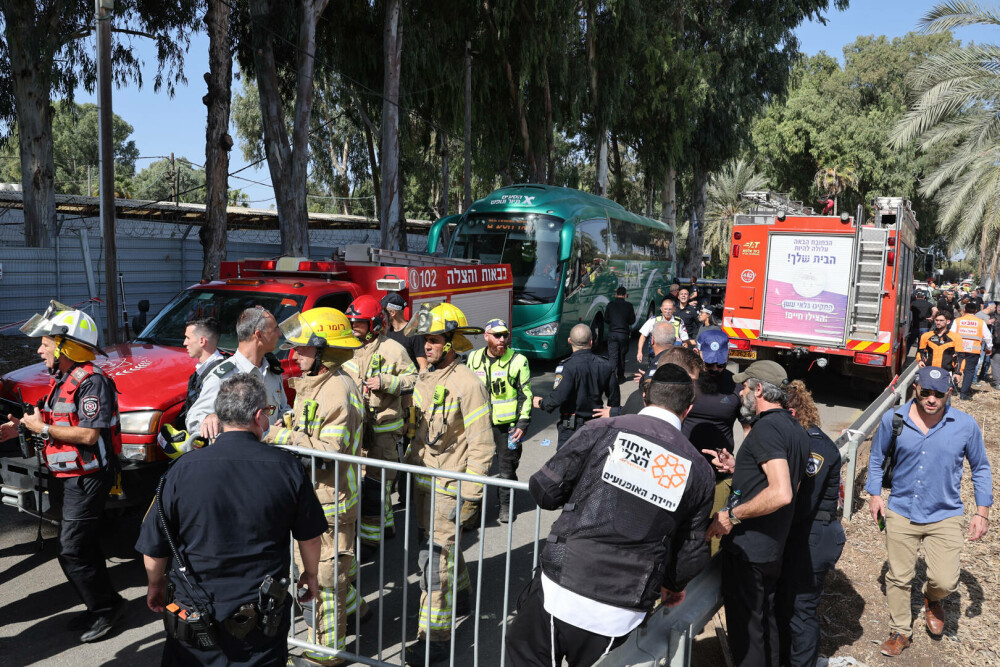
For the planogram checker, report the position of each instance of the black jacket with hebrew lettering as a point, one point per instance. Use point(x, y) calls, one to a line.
point(609, 544)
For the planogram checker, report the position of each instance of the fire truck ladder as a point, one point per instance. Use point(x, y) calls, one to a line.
point(359, 253)
point(775, 201)
point(868, 277)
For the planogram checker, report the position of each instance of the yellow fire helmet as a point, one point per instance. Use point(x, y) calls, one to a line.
point(324, 328)
point(74, 331)
point(442, 319)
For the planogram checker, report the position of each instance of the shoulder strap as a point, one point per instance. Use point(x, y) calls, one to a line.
point(223, 369)
point(897, 428)
point(208, 369)
point(273, 364)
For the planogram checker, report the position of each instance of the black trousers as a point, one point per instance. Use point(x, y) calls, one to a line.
point(255, 649)
point(565, 433)
point(617, 348)
point(507, 460)
point(800, 587)
point(748, 594)
point(534, 636)
point(80, 554)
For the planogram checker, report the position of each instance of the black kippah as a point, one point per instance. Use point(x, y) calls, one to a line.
point(671, 374)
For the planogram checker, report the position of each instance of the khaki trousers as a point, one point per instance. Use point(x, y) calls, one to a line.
point(942, 543)
point(439, 588)
point(337, 569)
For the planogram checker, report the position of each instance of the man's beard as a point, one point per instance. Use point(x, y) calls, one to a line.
point(708, 383)
point(749, 408)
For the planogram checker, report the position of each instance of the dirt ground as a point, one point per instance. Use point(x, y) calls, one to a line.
point(854, 615)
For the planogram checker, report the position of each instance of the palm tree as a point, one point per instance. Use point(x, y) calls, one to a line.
point(724, 202)
point(956, 95)
point(834, 180)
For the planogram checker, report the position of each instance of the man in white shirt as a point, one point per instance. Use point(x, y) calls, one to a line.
point(636, 499)
point(201, 340)
point(258, 336)
point(667, 308)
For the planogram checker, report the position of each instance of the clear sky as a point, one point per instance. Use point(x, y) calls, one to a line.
point(163, 125)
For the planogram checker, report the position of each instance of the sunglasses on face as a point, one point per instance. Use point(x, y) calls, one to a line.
point(924, 393)
point(501, 335)
point(715, 367)
point(269, 410)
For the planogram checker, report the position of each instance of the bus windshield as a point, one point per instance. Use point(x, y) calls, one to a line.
point(528, 242)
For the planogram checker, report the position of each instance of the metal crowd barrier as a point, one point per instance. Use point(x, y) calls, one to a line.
point(393, 591)
point(862, 428)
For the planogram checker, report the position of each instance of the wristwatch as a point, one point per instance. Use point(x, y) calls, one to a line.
point(45, 432)
point(732, 518)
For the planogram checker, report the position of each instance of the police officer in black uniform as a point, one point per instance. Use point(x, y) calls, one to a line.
point(581, 382)
point(815, 541)
point(620, 315)
point(630, 526)
point(687, 312)
point(233, 538)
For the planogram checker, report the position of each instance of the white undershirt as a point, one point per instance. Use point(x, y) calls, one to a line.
point(591, 615)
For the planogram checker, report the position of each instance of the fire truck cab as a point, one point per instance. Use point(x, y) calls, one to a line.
point(821, 290)
point(151, 371)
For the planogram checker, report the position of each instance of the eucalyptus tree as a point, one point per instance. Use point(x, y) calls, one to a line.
point(47, 52)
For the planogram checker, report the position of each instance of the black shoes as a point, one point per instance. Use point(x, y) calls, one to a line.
point(417, 651)
point(81, 621)
point(504, 515)
point(103, 624)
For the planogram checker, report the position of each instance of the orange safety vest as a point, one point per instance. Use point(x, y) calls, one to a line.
point(972, 330)
point(66, 459)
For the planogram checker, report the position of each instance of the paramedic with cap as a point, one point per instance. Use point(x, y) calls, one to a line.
point(508, 381)
point(78, 426)
point(623, 536)
point(925, 507)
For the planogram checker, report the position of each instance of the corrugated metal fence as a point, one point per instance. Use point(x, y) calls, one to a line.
point(157, 260)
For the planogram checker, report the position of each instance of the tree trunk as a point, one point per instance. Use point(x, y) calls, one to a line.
point(30, 62)
point(370, 143)
point(600, 131)
point(287, 163)
point(392, 43)
point(696, 233)
point(445, 178)
point(618, 191)
point(983, 245)
point(669, 211)
point(513, 89)
point(218, 143)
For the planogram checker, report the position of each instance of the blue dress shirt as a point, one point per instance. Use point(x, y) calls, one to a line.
point(927, 482)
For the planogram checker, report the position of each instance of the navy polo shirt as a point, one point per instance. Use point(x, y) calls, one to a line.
point(232, 508)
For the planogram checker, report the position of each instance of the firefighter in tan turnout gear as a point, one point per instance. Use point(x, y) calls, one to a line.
point(383, 371)
point(327, 416)
point(453, 433)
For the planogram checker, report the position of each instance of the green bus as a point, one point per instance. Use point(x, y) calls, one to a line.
point(568, 252)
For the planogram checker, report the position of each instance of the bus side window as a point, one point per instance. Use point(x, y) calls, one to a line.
point(591, 240)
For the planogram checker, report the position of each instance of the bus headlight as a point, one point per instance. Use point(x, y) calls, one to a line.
point(141, 422)
point(548, 329)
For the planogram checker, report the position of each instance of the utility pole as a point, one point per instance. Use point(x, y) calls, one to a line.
point(89, 189)
point(173, 180)
point(467, 195)
point(107, 167)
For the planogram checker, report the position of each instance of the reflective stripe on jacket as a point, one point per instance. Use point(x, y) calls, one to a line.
point(509, 374)
point(66, 459)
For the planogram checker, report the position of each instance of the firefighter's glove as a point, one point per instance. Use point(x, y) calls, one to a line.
point(174, 442)
point(468, 512)
point(287, 419)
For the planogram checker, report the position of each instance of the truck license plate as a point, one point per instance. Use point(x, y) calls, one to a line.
point(743, 354)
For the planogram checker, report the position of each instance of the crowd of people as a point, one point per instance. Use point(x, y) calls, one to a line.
point(647, 490)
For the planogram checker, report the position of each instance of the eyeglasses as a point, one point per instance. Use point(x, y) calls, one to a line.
point(269, 410)
point(924, 393)
point(715, 367)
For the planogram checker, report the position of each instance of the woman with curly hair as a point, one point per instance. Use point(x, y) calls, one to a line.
point(815, 541)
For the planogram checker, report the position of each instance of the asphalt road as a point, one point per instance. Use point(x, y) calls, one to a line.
point(36, 601)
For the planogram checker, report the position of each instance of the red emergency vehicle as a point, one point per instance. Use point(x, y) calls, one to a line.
point(151, 372)
point(825, 290)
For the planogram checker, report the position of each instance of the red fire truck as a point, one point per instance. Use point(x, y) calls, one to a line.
point(822, 290)
point(151, 372)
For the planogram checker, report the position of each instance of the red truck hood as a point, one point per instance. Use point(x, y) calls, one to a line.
point(148, 377)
